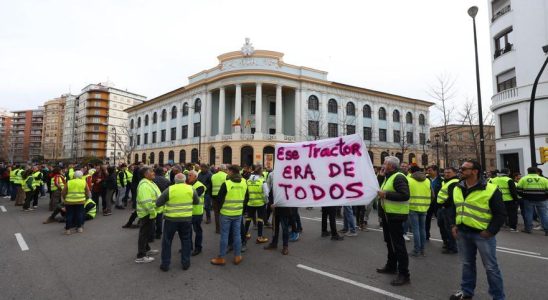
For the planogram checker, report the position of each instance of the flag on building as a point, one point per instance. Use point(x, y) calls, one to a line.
point(236, 122)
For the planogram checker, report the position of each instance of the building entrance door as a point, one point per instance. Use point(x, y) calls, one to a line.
point(511, 162)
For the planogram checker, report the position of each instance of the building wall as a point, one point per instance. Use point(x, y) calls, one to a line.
point(52, 140)
point(27, 135)
point(5, 135)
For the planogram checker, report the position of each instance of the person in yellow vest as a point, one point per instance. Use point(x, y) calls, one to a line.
point(232, 195)
point(257, 198)
point(57, 185)
point(217, 180)
point(129, 177)
point(197, 211)
point(509, 195)
point(419, 201)
point(147, 194)
point(393, 211)
point(533, 188)
point(90, 210)
point(38, 176)
point(446, 210)
point(178, 201)
point(28, 186)
point(21, 195)
point(75, 194)
point(70, 172)
point(121, 183)
point(480, 213)
point(14, 180)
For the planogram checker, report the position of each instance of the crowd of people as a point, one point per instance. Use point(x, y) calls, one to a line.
point(470, 208)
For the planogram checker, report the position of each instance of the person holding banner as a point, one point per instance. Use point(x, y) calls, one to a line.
point(394, 209)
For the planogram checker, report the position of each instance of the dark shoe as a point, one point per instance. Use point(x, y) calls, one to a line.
point(449, 251)
point(387, 270)
point(196, 252)
point(119, 207)
point(270, 247)
point(459, 296)
point(414, 254)
point(337, 238)
point(526, 231)
point(285, 251)
point(49, 220)
point(244, 248)
point(185, 267)
point(401, 280)
point(158, 236)
point(134, 226)
point(127, 226)
point(444, 246)
point(326, 233)
point(164, 268)
point(208, 221)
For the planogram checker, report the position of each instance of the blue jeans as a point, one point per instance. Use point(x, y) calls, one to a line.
point(184, 230)
point(74, 216)
point(14, 191)
point(349, 221)
point(231, 224)
point(197, 229)
point(469, 243)
point(542, 209)
point(417, 221)
point(207, 205)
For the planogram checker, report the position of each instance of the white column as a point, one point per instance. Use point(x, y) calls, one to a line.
point(298, 119)
point(203, 114)
point(149, 127)
point(279, 110)
point(190, 120)
point(178, 129)
point(209, 113)
point(222, 112)
point(238, 108)
point(323, 116)
point(259, 108)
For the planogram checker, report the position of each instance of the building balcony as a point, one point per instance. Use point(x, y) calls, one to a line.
point(96, 121)
point(501, 12)
point(97, 103)
point(517, 94)
point(96, 129)
point(506, 49)
point(97, 112)
point(94, 146)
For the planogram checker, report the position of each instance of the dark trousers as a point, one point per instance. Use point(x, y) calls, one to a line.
point(397, 252)
point(95, 197)
point(157, 231)
point(295, 220)
point(359, 212)
point(216, 212)
point(446, 215)
point(207, 206)
point(444, 234)
point(74, 216)
point(255, 214)
point(132, 218)
point(283, 221)
point(184, 230)
point(147, 226)
point(198, 232)
point(330, 211)
point(432, 211)
point(36, 195)
point(28, 199)
point(14, 191)
point(512, 211)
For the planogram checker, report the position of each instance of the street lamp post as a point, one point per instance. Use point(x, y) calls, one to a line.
point(428, 143)
point(472, 12)
point(437, 137)
point(445, 149)
point(532, 112)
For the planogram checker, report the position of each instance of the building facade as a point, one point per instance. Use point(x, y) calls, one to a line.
point(26, 135)
point(100, 122)
point(463, 143)
point(5, 135)
point(68, 145)
point(519, 30)
point(52, 134)
point(237, 111)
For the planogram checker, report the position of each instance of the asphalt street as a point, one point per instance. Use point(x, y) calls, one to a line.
point(99, 264)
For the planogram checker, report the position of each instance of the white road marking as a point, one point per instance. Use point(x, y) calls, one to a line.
point(21, 242)
point(3, 208)
point(358, 284)
point(500, 249)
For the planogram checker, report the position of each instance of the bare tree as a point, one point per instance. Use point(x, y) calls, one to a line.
point(443, 92)
point(469, 117)
point(124, 143)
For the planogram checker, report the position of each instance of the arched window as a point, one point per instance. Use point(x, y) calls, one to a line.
point(171, 157)
point(131, 124)
point(227, 155)
point(409, 118)
point(136, 158)
point(154, 118)
point(425, 159)
point(144, 158)
point(371, 156)
point(185, 109)
point(384, 154)
point(161, 158)
point(174, 112)
point(412, 158)
point(194, 155)
point(164, 115)
point(367, 111)
point(382, 114)
point(146, 120)
point(332, 106)
point(151, 158)
point(350, 109)
point(396, 115)
point(422, 120)
point(197, 105)
point(399, 155)
point(139, 122)
point(313, 103)
point(182, 156)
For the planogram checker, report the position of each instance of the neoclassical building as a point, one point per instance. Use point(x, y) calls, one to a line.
point(237, 111)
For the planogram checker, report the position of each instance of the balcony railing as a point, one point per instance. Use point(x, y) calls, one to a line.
point(506, 49)
point(500, 13)
point(517, 94)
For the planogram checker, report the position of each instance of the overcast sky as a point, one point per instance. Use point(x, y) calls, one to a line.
point(48, 48)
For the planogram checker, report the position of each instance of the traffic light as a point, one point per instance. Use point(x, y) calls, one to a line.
point(543, 154)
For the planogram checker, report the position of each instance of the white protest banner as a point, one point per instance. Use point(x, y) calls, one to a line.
point(330, 172)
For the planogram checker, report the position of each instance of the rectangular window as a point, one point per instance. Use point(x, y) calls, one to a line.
point(459, 136)
point(350, 129)
point(154, 137)
point(506, 80)
point(145, 139)
point(197, 129)
point(509, 124)
point(272, 131)
point(332, 130)
point(422, 138)
point(252, 108)
point(397, 136)
point(272, 110)
point(138, 139)
point(382, 135)
point(184, 132)
point(409, 136)
point(173, 135)
point(314, 128)
point(503, 43)
point(252, 130)
point(163, 135)
point(131, 141)
point(367, 133)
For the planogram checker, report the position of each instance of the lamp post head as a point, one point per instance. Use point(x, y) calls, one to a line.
point(473, 11)
point(545, 49)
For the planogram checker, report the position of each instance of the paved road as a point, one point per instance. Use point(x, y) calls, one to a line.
point(98, 264)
